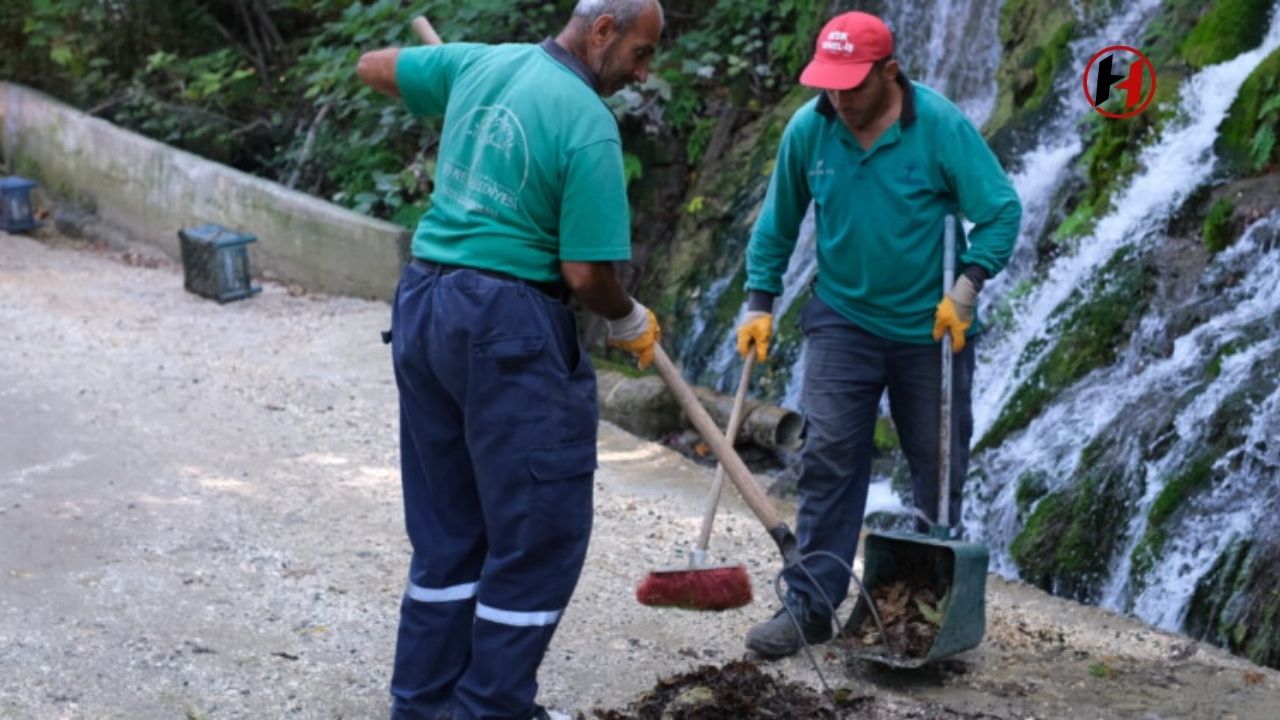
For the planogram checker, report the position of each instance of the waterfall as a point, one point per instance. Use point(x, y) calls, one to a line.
point(951, 46)
point(1025, 304)
point(1171, 169)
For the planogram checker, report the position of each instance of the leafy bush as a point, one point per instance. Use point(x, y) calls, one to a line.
point(268, 86)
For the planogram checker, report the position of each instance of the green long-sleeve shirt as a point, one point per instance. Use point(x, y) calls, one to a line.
point(880, 211)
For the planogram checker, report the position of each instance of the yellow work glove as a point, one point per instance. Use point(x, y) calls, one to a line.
point(636, 333)
point(756, 328)
point(955, 313)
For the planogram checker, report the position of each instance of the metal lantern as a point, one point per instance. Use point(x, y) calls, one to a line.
point(215, 262)
point(15, 204)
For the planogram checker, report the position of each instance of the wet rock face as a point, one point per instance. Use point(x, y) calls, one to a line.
point(1237, 604)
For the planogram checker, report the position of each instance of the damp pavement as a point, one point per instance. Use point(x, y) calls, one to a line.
point(200, 518)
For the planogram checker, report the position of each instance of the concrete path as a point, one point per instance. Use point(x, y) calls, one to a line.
point(200, 518)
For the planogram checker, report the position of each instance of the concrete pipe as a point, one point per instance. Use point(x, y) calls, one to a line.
point(766, 425)
point(641, 406)
point(774, 427)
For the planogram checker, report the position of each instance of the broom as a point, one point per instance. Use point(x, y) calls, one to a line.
point(702, 586)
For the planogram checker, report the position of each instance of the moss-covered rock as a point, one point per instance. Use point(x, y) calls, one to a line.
point(1072, 535)
point(1247, 139)
point(1089, 331)
point(1034, 35)
point(1185, 483)
point(1227, 28)
point(1031, 486)
point(1217, 226)
point(717, 214)
point(1237, 603)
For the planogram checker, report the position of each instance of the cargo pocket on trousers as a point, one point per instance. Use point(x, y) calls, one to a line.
point(562, 490)
point(510, 381)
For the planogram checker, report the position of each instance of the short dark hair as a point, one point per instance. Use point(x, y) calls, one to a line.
point(624, 12)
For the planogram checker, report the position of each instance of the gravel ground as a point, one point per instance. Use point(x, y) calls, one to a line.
point(200, 518)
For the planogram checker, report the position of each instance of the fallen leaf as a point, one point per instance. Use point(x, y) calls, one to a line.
point(1252, 678)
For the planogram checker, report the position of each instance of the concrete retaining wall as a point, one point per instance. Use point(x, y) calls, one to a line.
point(152, 190)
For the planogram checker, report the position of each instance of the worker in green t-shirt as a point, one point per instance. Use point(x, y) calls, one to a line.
point(883, 160)
point(498, 408)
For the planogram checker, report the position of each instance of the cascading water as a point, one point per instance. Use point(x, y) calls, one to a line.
point(1026, 305)
point(1180, 162)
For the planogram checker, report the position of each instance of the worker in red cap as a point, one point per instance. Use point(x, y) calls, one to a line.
point(884, 161)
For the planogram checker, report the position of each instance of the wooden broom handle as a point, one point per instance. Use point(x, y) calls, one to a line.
point(425, 32)
point(735, 424)
point(720, 447)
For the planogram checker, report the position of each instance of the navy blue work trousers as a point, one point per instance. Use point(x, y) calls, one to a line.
point(498, 423)
point(846, 372)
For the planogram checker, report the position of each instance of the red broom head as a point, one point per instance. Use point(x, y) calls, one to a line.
point(719, 588)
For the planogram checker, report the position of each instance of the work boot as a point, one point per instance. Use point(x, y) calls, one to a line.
point(778, 637)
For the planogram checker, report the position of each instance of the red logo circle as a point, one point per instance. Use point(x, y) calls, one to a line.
point(1132, 84)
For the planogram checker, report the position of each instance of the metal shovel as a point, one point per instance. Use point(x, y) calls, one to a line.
point(958, 568)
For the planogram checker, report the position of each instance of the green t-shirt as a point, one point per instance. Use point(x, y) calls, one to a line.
point(529, 170)
point(880, 212)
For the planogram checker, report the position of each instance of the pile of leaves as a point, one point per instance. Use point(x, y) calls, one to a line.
point(911, 611)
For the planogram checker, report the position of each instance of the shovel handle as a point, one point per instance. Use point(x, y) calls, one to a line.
point(720, 447)
point(426, 33)
point(735, 424)
point(944, 428)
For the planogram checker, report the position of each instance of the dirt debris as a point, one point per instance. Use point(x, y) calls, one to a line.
point(740, 690)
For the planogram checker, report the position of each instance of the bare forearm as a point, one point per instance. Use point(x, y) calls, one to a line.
point(596, 285)
point(377, 69)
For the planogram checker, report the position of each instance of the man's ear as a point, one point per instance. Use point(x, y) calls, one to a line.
point(602, 31)
point(891, 69)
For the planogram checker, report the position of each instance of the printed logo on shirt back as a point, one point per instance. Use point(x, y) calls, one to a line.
point(493, 170)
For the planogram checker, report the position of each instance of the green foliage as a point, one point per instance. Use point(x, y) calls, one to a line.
point(699, 138)
point(1229, 28)
point(1263, 144)
point(1247, 137)
point(748, 51)
point(632, 167)
point(1217, 226)
point(273, 90)
point(886, 435)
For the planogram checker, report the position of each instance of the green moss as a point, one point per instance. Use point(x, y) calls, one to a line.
point(1032, 485)
point(1089, 338)
point(1182, 486)
point(1217, 226)
point(1034, 35)
point(1228, 29)
point(1214, 369)
point(1033, 549)
point(1078, 224)
point(1067, 544)
point(1254, 116)
point(1191, 480)
point(726, 191)
point(1237, 603)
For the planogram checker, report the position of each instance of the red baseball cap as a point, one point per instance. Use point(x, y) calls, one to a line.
point(847, 48)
